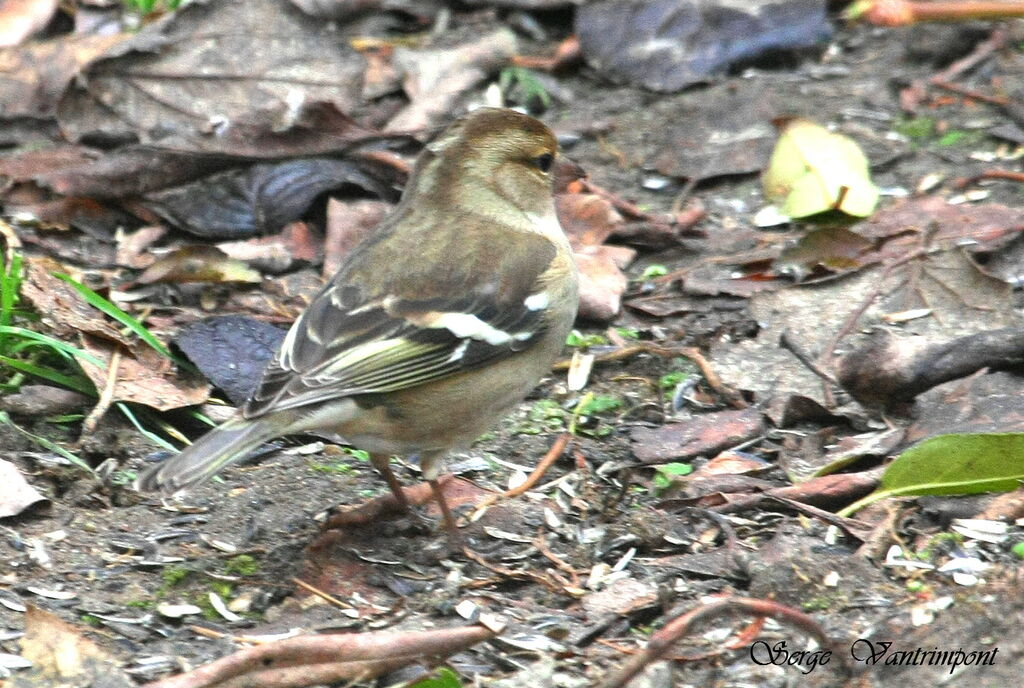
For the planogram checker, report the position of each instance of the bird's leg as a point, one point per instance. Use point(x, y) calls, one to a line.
point(446, 513)
point(382, 462)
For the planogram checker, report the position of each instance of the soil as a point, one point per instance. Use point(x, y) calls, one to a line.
point(624, 558)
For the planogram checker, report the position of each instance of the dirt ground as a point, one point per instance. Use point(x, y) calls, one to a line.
point(618, 556)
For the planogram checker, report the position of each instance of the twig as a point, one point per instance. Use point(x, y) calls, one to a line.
point(542, 547)
point(566, 54)
point(711, 377)
point(515, 574)
point(906, 12)
point(969, 92)
point(106, 395)
point(556, 451)
point(911, 96)
point(321, 594)
point(662, 641)
point(308, 660)
point(1011, 175)
point(787, 343)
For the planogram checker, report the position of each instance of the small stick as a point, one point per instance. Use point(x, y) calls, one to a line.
point(321, 594)
point(662, 641)
point(106, 395)
point(556, 451)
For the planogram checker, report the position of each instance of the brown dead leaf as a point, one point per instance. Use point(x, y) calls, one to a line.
point(133, 249)
point(348, 223)
point(704, 434)
point(602, 282)
point(198, 263)
point(33, 76)
point(209, 72)
point(60, 307)
point(588, 220)
point(16, 494)
point(62, 656)
point(436, 79)
point(146, 378)
point(279, 252)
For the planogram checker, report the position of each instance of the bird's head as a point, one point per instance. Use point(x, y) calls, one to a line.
point(492, 152)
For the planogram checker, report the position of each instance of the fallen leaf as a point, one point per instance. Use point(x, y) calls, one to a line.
point(62, 656)
point(35, 75)
point(434, 80)
point(813, 170)
point(667, 45)
point(952, 464)
point(61, 308)
point(258, 199)
point(348, 223)
point(16, 494)
point(704, 434)
point(588, 220)
point(198, 263)
point(203, 74)
point(231, 351)
point(144, 378)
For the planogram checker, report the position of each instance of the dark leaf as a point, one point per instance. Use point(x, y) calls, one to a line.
point(667, 45)
point(231, 351)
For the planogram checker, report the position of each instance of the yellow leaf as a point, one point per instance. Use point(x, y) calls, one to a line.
point(813, 170)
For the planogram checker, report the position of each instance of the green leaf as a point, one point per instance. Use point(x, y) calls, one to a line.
point(579, 340)
point(652, 271)
point(663, 474)
point(675, 468)
point(598, 404)
point(102, 304)
point(952, 465)
point(442, 678)
point(1018, 550)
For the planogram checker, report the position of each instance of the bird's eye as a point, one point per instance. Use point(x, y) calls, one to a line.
point(543, 162)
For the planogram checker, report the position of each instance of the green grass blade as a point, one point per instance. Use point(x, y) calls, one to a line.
point(46, 444)
point(78, 384)
point(151, 436)
point(102, 304)
point(10, 284)
point(52, 342)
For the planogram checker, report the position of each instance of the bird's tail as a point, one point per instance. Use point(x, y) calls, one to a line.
point(228, 443)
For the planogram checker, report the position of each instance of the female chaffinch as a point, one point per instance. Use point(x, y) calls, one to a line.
point(434, 327)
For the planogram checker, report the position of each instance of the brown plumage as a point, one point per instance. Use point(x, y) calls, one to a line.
point(435, 326)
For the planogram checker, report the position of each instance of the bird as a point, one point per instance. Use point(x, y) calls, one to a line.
point(433, 328)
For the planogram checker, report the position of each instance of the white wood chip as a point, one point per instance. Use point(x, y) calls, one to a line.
point(219, 545)
point(8, 661)
point(492, 622)
point(52, 594)
point(505, 535)
point(176, 611)
point(579, 371)
point(467, 609)
point(221, 608)
point(516, 479)
point(13, 605)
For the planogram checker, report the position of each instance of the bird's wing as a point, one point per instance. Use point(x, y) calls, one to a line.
point(348, 343)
